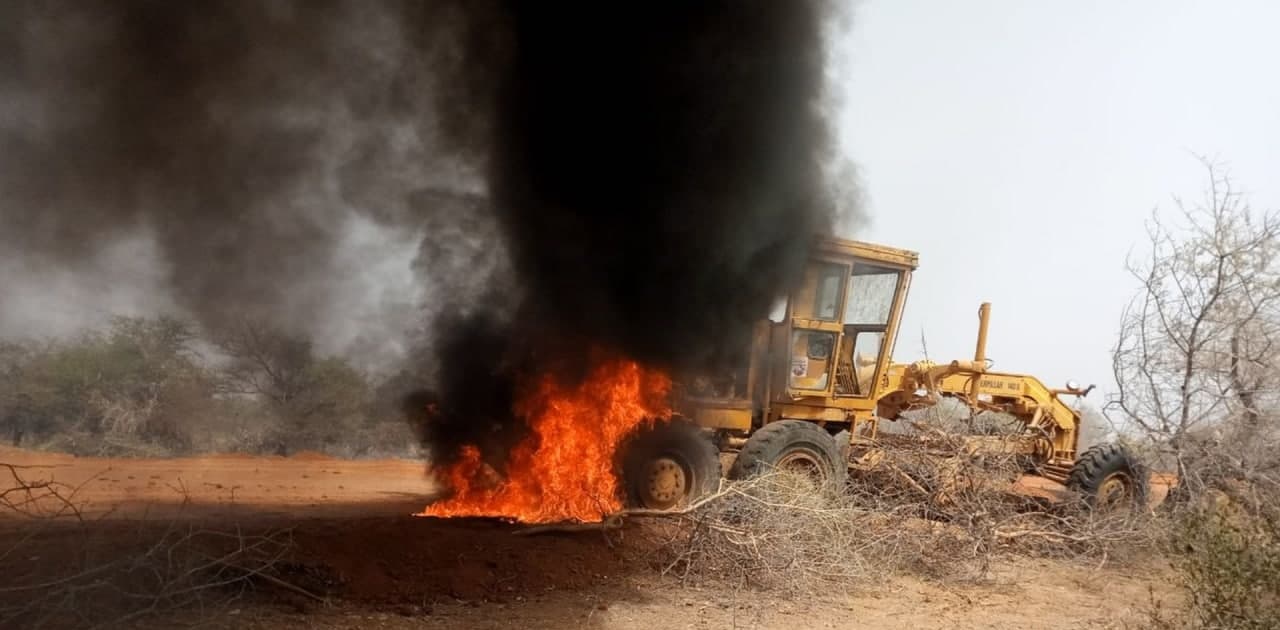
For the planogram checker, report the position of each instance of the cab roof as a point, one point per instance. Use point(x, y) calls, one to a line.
point(871, 251)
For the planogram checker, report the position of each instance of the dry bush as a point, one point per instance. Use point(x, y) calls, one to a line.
point(382, 440)
point(117, 581)
point(938, 477)
point(1225, 558)
point(60, 569)
point(1237, 459)
point(1224, 537)
point(943, 515)
point(781, 532)
point(1229, 566)
point(929, 467)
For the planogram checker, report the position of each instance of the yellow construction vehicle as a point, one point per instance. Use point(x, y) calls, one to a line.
point(819, 381)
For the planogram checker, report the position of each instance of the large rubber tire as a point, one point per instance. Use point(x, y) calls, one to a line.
point(1109, 476)
point(793, 444)
point(669, 465)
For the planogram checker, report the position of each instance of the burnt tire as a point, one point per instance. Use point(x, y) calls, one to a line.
point(794, 445)
point(1109, 476)
point(668, 465)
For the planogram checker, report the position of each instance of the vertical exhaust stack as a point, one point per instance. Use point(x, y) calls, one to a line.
point(980, 351)
point(984, 317)
point(979, 362)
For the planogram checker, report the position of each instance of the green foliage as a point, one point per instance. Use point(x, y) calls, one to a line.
point(327, 408)
point(330, 389)
point(1229, 561)
point(120, 382)
point(138, 387)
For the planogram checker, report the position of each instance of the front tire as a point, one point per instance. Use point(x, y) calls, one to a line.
point(1109, 477)
point(669, 465)
point(794, 446)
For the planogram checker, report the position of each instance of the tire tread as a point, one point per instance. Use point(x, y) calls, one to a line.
point(1100, 460)
point(767, 443)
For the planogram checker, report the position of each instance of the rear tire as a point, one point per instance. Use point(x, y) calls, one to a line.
point(669, 465)
point(792, 445)
point(1109, 477)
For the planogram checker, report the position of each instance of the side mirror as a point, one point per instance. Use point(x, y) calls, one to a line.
point(779, 311)
point(1073, 389)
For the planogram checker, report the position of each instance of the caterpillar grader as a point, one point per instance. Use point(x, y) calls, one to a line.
point(820, 382)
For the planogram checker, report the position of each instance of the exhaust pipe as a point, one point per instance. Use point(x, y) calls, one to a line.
point(984, 317)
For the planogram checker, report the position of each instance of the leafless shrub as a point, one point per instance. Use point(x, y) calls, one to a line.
point(30, 497)
point(1223, 539)
point(1198, 388)
point(115, 585)
point(1238, 461)
point(1225, 553)
point(1194, 360)
point(777, 531)
point(943, 478)
point(932, 509)
point(62, 569)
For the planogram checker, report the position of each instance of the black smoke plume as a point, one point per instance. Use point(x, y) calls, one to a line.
point(657, 175)
point(243, 137)
point(640, 179)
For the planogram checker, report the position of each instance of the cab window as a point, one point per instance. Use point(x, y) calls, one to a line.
point(822, 292)
point(871, 291)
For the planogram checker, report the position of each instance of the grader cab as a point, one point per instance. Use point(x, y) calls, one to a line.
point(820, 380)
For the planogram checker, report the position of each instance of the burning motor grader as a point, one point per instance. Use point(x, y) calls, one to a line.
point(820, 381)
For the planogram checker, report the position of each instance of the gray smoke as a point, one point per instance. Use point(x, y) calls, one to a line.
point(267, 152)
point(506, 182)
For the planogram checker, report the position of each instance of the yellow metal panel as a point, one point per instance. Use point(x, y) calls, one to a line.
point(870, 251)
point(1000, 385)
point(805, 412)
point(733, 419)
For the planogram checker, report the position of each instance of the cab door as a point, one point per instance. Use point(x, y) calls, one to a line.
point(873, 299)
point(815, 316)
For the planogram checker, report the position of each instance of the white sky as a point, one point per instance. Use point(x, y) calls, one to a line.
point(1019, 146)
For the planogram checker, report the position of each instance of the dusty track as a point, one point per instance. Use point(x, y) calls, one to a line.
point(381, 568)
point(307, 485)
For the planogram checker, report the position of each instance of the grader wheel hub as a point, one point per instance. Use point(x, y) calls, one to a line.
point(668, 464)
point(1114, 489)
point(793, 446)
point(802, 462)
point(667, 481)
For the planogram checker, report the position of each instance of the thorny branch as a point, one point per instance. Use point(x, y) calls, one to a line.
point(116, 579)
point(913, 512)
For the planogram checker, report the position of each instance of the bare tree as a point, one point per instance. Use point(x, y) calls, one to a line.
point(265, 361)
point(15, 417)
point(316, 401)
point(1194, 356)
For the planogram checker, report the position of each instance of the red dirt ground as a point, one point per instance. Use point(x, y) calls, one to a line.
point(382, 568)
point(305, 485)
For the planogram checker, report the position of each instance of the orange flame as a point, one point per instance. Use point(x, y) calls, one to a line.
point(564, 471)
